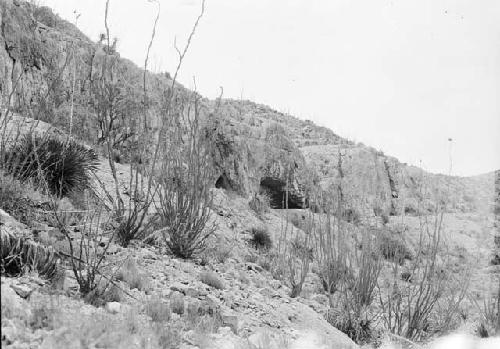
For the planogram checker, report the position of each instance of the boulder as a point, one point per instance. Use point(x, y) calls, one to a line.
point(23, 290)
point(113, 307)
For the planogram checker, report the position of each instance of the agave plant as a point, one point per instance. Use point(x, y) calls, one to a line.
point(63, 166)
point(20, 255)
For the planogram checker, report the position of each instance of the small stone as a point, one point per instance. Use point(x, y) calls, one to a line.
point(150, 256)
point(113, 307)
point(230, 321)
point(225, 331)
point(178, 287)
point(23, 291)
point(113, 249)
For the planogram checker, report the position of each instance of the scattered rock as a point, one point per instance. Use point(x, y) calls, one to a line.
point(13, 306)
point(113, 307)
point(230, 320)
point(24, 291)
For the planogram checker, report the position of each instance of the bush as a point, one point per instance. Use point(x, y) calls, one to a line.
point(64, 167)
point(261, 239)
point(333, 274)
point(103, 293)
point(184, 197)
point(177, 303)
point(158, 310)
point(131, 275)
point(394, 249)
point(212, 280)
point(359, 329)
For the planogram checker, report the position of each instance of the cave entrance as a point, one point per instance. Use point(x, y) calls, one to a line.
point(223, 182)
point(276, 190)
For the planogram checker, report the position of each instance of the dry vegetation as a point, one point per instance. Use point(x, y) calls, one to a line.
point(378, 279)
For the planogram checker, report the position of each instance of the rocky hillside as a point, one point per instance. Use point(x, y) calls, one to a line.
point(42, 56)
point(236, 293)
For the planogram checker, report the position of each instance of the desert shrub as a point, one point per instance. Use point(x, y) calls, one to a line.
point(177, 304)
point(157, 310)
point(358, 328)
point(134, 223)
point(394, 248)
point(103, 293)
point(222, 253)
point(368, 265)
point(184, 197)
point(410, 309)
point(489, 311)
point(217, 251)
point(261, 239)
point(212, 280)
point(332, 274)
point(298, 257)
point(204, 324)
point(130, 274)
point(168, 337)
point(185, 200)
point(482, 331)
point(63, 166)
point(357, 291)
point(113, 294)
point(301, 248)
point(88, 250)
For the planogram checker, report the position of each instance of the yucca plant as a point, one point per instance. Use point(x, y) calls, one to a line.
point(63, 166)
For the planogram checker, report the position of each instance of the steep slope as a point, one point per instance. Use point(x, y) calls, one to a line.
point(38, 53)
point(41, 56)
point(47, 64)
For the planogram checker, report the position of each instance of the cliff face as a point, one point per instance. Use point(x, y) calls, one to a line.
point(374, 183)
point(45, 60)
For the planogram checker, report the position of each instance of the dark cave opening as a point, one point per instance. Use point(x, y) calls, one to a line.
point(276, 190)
point(223, 182)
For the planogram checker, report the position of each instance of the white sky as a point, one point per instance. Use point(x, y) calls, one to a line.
point(400, 75)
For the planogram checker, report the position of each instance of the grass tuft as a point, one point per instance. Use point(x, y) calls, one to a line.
point(212, 280)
